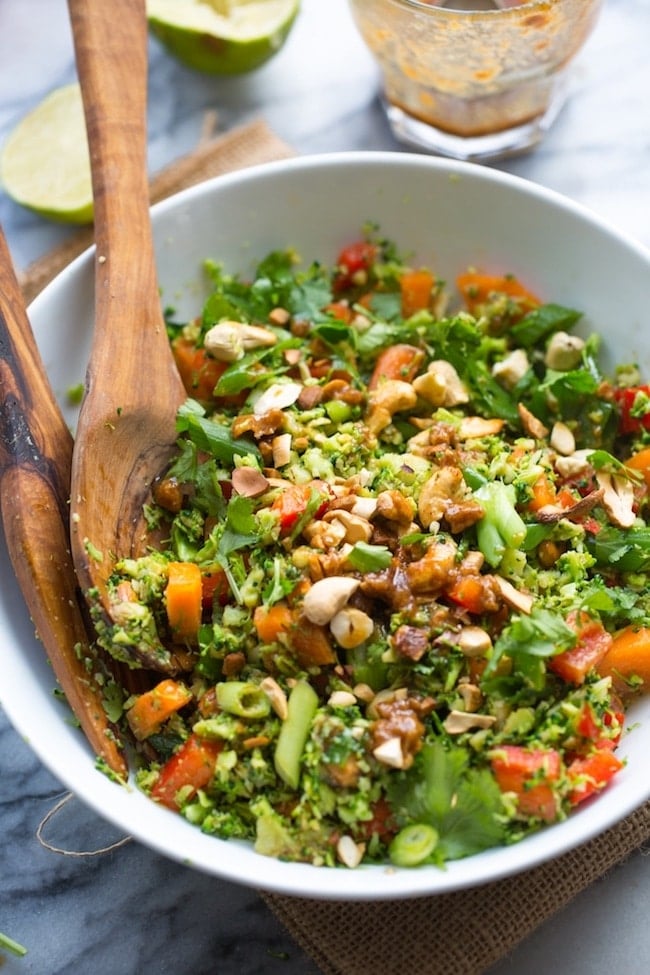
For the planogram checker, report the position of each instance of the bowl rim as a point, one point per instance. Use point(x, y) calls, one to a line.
point(303, 880)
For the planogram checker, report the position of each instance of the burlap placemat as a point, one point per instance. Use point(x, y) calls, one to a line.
point(460, 933)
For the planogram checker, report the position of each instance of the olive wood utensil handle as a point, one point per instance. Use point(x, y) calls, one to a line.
point(35, 458)
point(126, 430)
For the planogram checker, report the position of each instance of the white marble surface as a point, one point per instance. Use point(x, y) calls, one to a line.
point(132, 912)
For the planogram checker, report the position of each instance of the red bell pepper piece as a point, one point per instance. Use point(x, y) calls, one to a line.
point(592, 773)
point(530, 774)
point(291, 505)
point(625, 399)
point(593, 643)
point(354, 262)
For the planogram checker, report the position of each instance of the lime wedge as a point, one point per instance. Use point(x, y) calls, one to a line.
point(222, 36)
point(45, 164)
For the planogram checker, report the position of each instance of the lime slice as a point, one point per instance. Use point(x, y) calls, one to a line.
point(45, 164)
point(222, 36)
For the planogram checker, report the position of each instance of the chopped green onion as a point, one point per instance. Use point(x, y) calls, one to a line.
point(243, 699)
point(10, 945)
point(413, 845)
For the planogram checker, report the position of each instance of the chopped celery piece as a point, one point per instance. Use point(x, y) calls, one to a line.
point(501, 527)
point(302, 705)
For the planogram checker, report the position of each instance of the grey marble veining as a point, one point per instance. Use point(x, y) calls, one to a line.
point(131, 911)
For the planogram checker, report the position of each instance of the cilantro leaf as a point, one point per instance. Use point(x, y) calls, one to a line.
point(529, 640)
point(541, 322)
point(246, 372)
point(455, 339)
point(622, 549)
point(461, 803)
point(240, 530)
point(309, 297)
point(211, 436)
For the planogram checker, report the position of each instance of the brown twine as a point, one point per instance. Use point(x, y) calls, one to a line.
point(56, 808)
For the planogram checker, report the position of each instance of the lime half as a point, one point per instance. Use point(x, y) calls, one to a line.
point(222, 36)
point(45, 164)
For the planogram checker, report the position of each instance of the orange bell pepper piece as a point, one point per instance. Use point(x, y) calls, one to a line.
point(184, 599)
point(152, 708)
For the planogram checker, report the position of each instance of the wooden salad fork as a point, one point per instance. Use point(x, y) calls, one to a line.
point(126, 432)
point(35, 459)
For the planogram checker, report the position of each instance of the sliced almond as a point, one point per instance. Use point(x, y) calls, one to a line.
point(532, 426)
point(277, 397)
point(618, 499)
point(514, 598)
point(249, 482)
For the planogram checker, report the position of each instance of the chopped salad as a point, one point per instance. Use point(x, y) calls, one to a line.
point(399, 595)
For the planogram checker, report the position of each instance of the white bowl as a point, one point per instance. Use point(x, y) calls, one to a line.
point(451, 214)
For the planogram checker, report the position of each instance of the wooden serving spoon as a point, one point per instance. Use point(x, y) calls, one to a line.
point(126, 430)
point(35, 458)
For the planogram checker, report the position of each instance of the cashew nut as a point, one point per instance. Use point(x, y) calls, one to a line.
point(441, 385)
point(356, 529)
point(471, 695)
point(473, 641)
point(349, 852)
point(511, 369)
point(351, 627)
point(341, 699)
point(532, 426)
point(276, 696)
point(472, 427)
point(389, 398)
point(228, 341)
point(444, 485)
point(364, 507)
point(281, 447)
point(564, 352)
point(327, 596)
